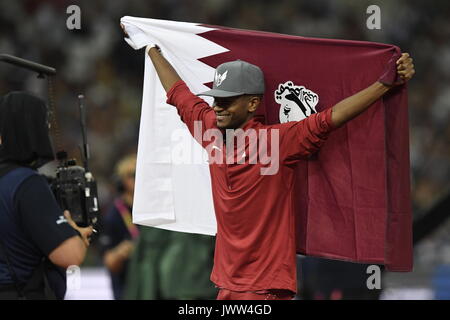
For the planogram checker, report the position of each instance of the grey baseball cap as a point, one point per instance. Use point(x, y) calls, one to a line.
point(236, 78)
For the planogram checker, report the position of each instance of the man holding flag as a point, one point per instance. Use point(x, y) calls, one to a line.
point(255, 242)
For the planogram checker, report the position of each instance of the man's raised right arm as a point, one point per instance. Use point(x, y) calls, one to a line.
point(190, 107)
point(166, 73)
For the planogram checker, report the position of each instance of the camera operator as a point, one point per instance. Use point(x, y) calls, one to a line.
point(38, 241)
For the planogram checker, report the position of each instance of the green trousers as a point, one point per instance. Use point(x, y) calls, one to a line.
point(170, 265)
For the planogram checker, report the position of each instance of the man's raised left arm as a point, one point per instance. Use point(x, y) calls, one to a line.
point(352, 106)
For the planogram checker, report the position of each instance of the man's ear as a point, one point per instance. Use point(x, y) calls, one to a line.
point(254, 103)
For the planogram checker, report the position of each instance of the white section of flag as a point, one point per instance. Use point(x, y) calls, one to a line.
point(170, 195)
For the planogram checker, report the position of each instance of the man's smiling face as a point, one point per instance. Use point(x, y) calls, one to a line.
point(234, 112)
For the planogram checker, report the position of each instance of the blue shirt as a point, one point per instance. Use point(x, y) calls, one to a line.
point(115, 231)
point(32, 225)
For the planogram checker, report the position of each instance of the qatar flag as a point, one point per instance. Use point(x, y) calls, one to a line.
point(352, 197)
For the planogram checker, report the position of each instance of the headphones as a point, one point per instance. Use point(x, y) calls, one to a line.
point(118, 183)
point(120, 172)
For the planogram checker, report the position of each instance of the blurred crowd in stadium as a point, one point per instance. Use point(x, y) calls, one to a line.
point(97, 62)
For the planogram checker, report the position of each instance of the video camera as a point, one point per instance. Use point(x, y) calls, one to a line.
point(76, 190)
point(74, 186)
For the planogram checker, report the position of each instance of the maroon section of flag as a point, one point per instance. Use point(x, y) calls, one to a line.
point(352, 200)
